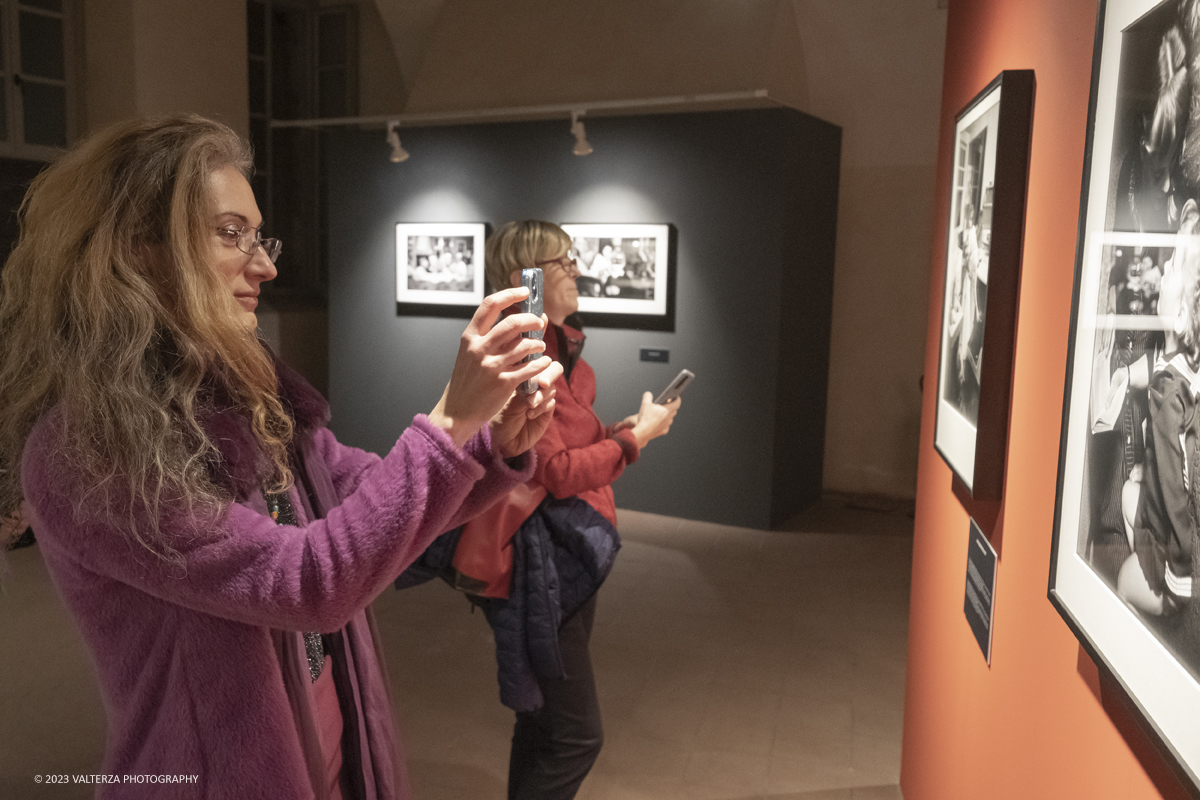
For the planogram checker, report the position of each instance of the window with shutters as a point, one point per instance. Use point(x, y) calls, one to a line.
point(302, 64)
point(37, 113)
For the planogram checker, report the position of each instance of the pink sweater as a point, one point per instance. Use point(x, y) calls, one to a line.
point(199, 668)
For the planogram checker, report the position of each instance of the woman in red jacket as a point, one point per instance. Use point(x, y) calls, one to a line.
point(578, 456)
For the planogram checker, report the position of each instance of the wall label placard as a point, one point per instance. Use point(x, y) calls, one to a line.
point(981, 589)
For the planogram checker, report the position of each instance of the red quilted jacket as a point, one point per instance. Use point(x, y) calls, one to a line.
point(579, 455)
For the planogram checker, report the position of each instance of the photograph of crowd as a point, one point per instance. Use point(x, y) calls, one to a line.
point(439, 264)
point(623, 268)
point(614, 267)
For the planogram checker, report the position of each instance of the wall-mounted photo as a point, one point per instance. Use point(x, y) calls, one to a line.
point(439, 268)
point(1126, 535)
point(626, 274)
point(983, 267)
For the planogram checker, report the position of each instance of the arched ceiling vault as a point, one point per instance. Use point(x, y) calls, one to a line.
point(475, 54)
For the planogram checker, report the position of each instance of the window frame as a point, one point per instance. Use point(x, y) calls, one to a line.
point(14, 144)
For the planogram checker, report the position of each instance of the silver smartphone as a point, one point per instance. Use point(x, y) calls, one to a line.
point(531, 279)
point(675, 387)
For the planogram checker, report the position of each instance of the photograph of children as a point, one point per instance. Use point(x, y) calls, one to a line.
point(968, 291)
point(1129, 339)
point(1138, 524)
point(1127, 526)
point(965, 301)
point(439, 263)
point(623, 268)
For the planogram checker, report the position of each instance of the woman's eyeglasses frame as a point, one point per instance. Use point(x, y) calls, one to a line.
point(567, 263)
point(248, 240)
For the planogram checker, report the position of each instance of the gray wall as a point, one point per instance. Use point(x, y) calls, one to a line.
point(753, 197)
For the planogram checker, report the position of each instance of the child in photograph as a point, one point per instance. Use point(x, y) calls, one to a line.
point(1123, 363)
point(1157, 577)
point(1129, 298)
point(602, 263)
point(639, 264)
point(965, 324)
point(420, 277)
point(1148, 182)
point(1151, 279)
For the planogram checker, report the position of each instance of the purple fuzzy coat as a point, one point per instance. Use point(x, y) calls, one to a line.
point(203, 671)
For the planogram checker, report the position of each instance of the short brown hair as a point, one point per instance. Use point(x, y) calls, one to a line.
point(520, 245)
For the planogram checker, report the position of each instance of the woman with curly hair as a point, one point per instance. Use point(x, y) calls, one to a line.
point(216, 545)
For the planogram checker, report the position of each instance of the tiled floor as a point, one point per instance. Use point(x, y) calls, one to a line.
point(732, 663)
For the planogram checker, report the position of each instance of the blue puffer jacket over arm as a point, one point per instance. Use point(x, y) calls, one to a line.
point(561, 555)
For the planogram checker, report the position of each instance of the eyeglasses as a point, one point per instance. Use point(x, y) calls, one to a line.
point(248, 240)
point(567, 263)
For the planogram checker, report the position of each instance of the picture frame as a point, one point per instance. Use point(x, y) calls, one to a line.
point(1119, 573)
point(984, 242)
point(440, 268)
point(627, 274)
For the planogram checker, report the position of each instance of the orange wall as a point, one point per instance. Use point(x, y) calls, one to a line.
point(1036, 724)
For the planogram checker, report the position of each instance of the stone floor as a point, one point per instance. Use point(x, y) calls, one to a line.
point(732, 663)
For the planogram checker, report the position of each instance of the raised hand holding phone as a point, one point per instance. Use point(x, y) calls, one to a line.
point(525, 417)
point(493, 359)
point(531, 279)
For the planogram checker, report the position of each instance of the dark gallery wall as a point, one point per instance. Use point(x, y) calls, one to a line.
point(1041, 721)
point(753, 197)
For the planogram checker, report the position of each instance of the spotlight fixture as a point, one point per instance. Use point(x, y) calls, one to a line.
point(582, 148)
point(393, 138)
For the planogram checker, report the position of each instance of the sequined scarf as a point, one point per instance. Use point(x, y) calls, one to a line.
point(283, 513)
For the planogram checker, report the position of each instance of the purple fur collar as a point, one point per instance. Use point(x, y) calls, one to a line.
point(241, 467)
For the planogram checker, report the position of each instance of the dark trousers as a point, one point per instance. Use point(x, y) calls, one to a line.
point(553, 748)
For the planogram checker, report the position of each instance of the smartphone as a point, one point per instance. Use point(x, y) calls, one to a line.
point(675, 387)
point(531, 279)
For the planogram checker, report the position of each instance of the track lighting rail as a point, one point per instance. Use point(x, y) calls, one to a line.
point(527, 112)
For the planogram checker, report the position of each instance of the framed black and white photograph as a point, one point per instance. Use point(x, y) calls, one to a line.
point(439, 268)
point(1126, 533)
point(626, 274)
point(983, 267)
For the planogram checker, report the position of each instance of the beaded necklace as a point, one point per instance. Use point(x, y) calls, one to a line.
point(281, 510)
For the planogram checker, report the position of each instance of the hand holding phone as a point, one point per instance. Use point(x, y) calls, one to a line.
point(675, 387)
point(531, 279)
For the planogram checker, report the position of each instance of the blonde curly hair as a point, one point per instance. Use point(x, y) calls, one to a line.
point(113, 315)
